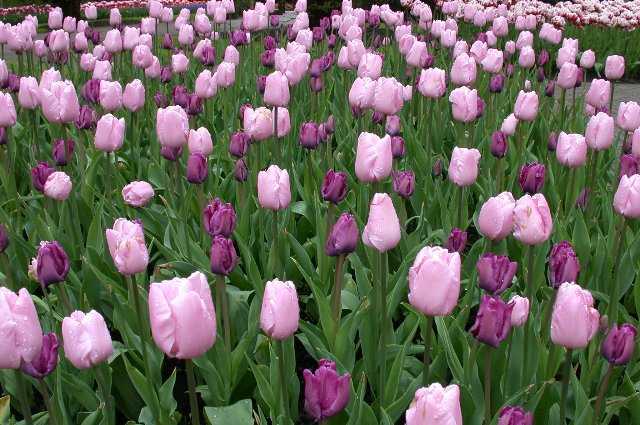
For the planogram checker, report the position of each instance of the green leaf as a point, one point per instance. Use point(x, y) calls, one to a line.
point(452, 358)
point(263, 383)
point(239, 413)
point(5, 408)
point(393, 379)
point(165, 393)
point(143, 386)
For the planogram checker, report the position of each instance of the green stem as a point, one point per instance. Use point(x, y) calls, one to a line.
point(223, 306)
point(427, 332)
point(529, 324)
point(569, 202)
point(142, 329)
point(601, 393)
point(274, 243)
point(281, 376)
point(193, 400)
point(7, 271)
point(499, 173)
point(110, 415)
point(336, 296)
point(461, 206)
point(42, 387)
point(382, 274)
point(487, 385)
point(562, 108)
point(565, 387)
point(617, 253)
point(62, 293)
point(22, 396)
point(108, 172)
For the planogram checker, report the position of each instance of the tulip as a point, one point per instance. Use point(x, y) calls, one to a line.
point(223, 256)
point(495, 220)
point(21, 336)
point(274, 192)
point(493, 321)
point(526, 107)
point(463, 168)
point(179, 63)
point(614, 67)
point(197, 171)
point(110, 95)
point(172, 126)
point(240, 172)
point(463, 70)
point(599, 93)
point(464, 104)
point(219, 218)
point(39, 175)
point(432, 83)
point(626, 200)
point(492, 61)
point(362, 93)
point(495, 272)
point(102, 70)
point(46, 361)
point(258, 123)
point(520, 312)
point(571, 150)
point(239, 144)
point(58, 186)
point(600, 131)
point(343, 236)
point(8, 115)
point(434, 281)
point(308, 137)
point(28, 93)
point(574, 321)
point(527, 58)
point(334, 186)
point(628, 117)
point(617, 347)
point(280, 311)
point(499, 144)
point(276, 89)
point(509, 125)
point(325, 392)
point(137, 194)
point(532, 219)
point(564, 265)
point(60, 103)
point(127, 247)
point(374, 157)
point(514, 415)
point(370, 65)
point(87, 341)
point(109, 134)
point(382, 231)
point(403, 183)
point(134, 96)
point(388, 96)
point(531, 178)
point(435, 405)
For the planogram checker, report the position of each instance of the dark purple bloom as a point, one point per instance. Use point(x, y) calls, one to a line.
point(493, 321)
point(53, 263)
point(564, 265)
point(550, 88)
point(208, 56)
point(4, 138)
point(543, 57)
point(540, 75)
point(617, 347)
point(4, 238)
point(315, 69)
point(499, 144)
point(404, 183)
point(325, 392)
point(328, 60)
point(457, 240)
point(46, 361)
point(261, 83)
point(374, 20)
point(180, 96)
point(583, 198)
point(377, 117)
point(325, 23)
point(392, 126)
point(436, 169)
point(223, 256)
point(219, 218)
point(397, 147)
point(308, 137)
point(331, 41)
point(330, 124)
point(496, 83)
point(268, 58)
point(166, 74)
point(39, 175)
point(62, 151)
point(316, 84)
point(240, 172)
point(509, 69)
point(318, 34)
point(514, 415)
point(171, 153)
point(580, 77)
point(86, 118)
point(160, 100)
point(239, 38)
point(495, 272)
point(334, 186)
point(239, 144)
point(322, 133)
point(628, 165)
point(552, 141)
point(167, 41)
point(197, 170)
point(356, 111)
point(274, 20)
point(531, 177)
point(481, 105)
point(91, 90)
point(194, 106)
point(343, 237)
point(269, 43)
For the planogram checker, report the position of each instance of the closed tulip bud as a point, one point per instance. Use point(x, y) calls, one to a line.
point(464, 104)
point(463, 70)
point(552, 141)
point(564, 265)
point(514, 415)
point(316, 84)
point(39, 175)
point(165, 74)
point(223, 256)
point(4, 239)
point(532, 220)
point(334, 186)
point(28, 93)
point(46, 361)
point(495, 272)
point(628, 117)
point(308, 137)
point(463, 167)
point(21, 338)
point(599, 132)
point(457, 240)
point(397, 147)
point(520, 312)
point(382, 231)
point(137, 194)
point(219, 218)
point(499, 144)
point(62, 151)
point(404, 183)
point(628, 165)
point(571, 150)
point(172, 126)
point(614, 67)
point(180, 96)
point(583, 199)
point(434, 281)
point(110, 132)
point(550, 88)
point(325, 392)
point(574, 321)
point(493, 321)
point(52, 263)
point(240, 172)
point(531, 177)
point(626, 201)
point(127, 247)
point(276, 92)
point(274, 190)
point(392, 125)
point(4, 137)
point(160, 100)
point(567, 76)
point(197, 170)
point(86, 119)
point(374, 158)
point(194, 105)
point(8, 115)
point(343, 237)
point(239, 144)
point(435, 405)
point(526, 106)
point(599, 93)
point(280, 311)
point(496, 83)
point(617, 347)
point(87, 341)
point(134, 96)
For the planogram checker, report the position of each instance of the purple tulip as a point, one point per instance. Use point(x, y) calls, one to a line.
point(540, 76)
point(160, 100)
point(318, 34)
point(392, 126)
point(91, 91)
point(564, 265)
point(39, 175)
point(13, 83)
point(315, 69)
point(316, 84)
point(261, 83)
point(343, 237)
point(404, 183)
point(495, 272)
point(180, 96)
point(493, 321)
point(269, 43)
point(617, 347)
point(86, 118)
point(166, 74)
point(62, 151)
point(543, 57)
point(47, 360)
point(219, 218)
point(52, 263)
point(334, 186)
point(330, 124)
point(194, 106)
point(239, 38)
point(377, 117)
point(4, 137)
point(197, 170)
point(208, 56)
point(239, 144)
point(436, 169)
point(496, 83)
point(583, 199)
point(223, 256)
point(531, 178)
point(308, 137)
point(628, 165)
point(457, 240)
point(274, 20)
point(552, 141)
point(331, 41)
point(499, 144)
point(550, 88)
point(240, 172)
point(325, 392)
point(171, 153)
point(397, 147)
point(514, 415)
point(167, 42)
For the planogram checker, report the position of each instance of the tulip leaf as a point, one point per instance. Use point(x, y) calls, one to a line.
point(165, 393)
point(5, 408)
point(263, 383)
point(393, 378)
point(240, 413)
point(452, 357)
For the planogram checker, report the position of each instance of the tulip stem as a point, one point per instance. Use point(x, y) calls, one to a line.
point(382, 274)
point(62, 292)
point(281, 376)
point(570, 190)
point(336, 302)
point(224, 304)
point(193, 400)
point(108, 172)
point(22, 396)
point(7, 271)
point(460, 207)
point(613, 300)
point(529, 324)
point(601, 393)
point(487, 385)
point(109, 413)
point(427, 332)
point(565, 386)
point(42, 387)
point(133, 287)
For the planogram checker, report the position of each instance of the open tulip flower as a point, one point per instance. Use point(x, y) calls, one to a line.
point(319, 212)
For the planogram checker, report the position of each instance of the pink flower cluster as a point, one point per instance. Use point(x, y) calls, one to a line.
point(31, 9)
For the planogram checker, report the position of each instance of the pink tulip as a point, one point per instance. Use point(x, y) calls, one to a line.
point(28, 96)
point(567, 76)
point(205, 85)
point(134, 95)
point(154, 70)
point(526, 107)
point(520, 312)
point(109, 133)
point(532, 219)
point(574, 321)
point(362, 93)
point(202, 24)
point(258, 123)
point(635, 143)
point(127, 247)
point(110, 95)
point(55, 18)
point(137, 194)
point(463, 71)
point(155, 8)
point(527, 58)
point(434, 281)
point(565, 55)
point(432, 83)
point(374, 158)
point(91, 12)
point(599, 93)
point(115, 18)
point(179, 63)
point(87, 341)
point(58, 41)
point(87, 62)
point(525, 38)
point(435, 405)
point(186, 35)
point(614, 67)
point(172, 126)
point(509, 125)
point(406, 43)
point(571, 150)
point(60, 103)
point(231, 55)
point(146, 40)
point(599, 132)
point(448, 37)
point(510, 48)
point(305, 37)
point(131, 38)
point(274, 192)
point(495, 220)
point(58, 186)
point(588, 59)
point(626, 201)
point(628, 117)
point(370, 66)
point(280, 312)
point(463, 168)
point(102, 70)
point(113, 41)
point(284, 121)
point(200, 141)
point(225, 74)
point(493, 61)
point(21, 336)
point(355, 52)
point(80, 42)
point(478, 50)
point(276, 92)
point(182, 316)
point(464, 104)
point(500, 26)
point(382, 231)
point(388, 96)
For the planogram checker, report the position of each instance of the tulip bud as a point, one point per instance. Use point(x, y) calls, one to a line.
point(4, 239)
point(53, 263)
point(574, 321)
point(392, 126)
point(628, 165)
point(382, 231)
point(457, 240)
point(435, 405)
point(564, 265)
point(617, 347)
point(403, 183)
point(86, 119)
point(334, 186)
point(280, 311)
point(39, 175)
point(493, 321)
point(343, 237)
point(160, 100)
point(4, 137)
point(514, 415)
point(45, 363)
point(308, 137)
point(240, 172)
point(219, 218)
point(495, 272)
point(239, 144)
point(197, 171)
point(62, 151)
point(531, 178)
point(21, 339)
point(498, 144)
point(436, 169)
point(496, 83)
point(550, 88)
point(520, 312)
point(325, 392)
point(397, 147)
point(583, 199)
point(316, 84)
point(223, 256)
